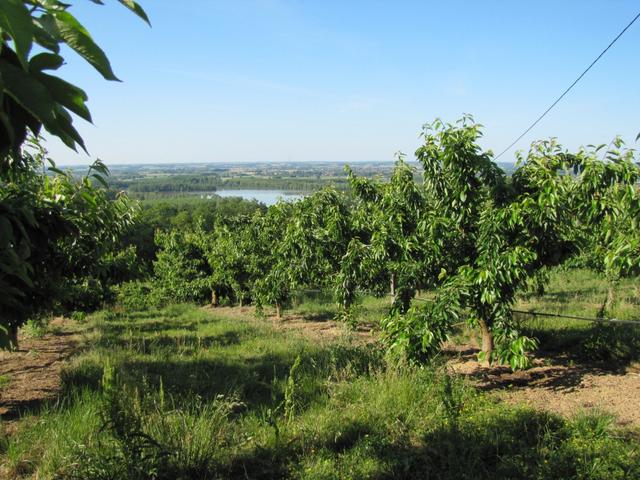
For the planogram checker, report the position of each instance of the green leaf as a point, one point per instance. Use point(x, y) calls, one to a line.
point(45, 61)
point(137, 9)
point(101, 179)
point(46, 33)
point(15, 21)
point(100, 166)
point(62, 127)
point(79, 39)
point(66, 94)
point(27, 91)
point(90, 199)
point(8, 127)
point(56, 170)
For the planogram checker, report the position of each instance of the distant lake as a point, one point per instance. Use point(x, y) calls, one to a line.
point(268, 197)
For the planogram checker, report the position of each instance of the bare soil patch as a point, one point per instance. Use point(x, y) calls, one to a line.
point(317, 327)
point(557, 385)
point(33, 371)
point(326, 329)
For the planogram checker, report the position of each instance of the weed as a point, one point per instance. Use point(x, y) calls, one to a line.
point(451, 400)
point(290, 393)
point(36, 327)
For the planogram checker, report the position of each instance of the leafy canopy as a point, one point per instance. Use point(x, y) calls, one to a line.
point(56, 232)
point(30, 97)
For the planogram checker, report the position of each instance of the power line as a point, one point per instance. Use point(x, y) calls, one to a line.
point(570, 87)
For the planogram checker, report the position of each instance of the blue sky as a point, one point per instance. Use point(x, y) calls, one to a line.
point(268, 80)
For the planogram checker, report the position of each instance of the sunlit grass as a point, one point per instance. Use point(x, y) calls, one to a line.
point(581, 292)
point(214, 393)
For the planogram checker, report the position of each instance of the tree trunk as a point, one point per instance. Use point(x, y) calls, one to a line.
point(347, 296)
point(611, 298)
point(278, 311)
point(607, 306)
point(240, 301)
point(392, 287)
point(487, 340)
point(13, 337)
point(214, 297)
point(346, 305)
point(406, 303)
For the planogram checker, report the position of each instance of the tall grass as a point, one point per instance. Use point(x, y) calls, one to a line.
point(185, 392)
point(582, 292)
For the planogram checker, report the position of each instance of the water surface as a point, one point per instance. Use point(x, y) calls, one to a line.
point(268, 197)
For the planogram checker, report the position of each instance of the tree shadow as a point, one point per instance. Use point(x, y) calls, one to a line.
point(314, 316)
point(611, 346)
point(521, 444)
point(168, 344)
point(17, 409)
point(550, 371)
point(257, 381)
point(500, 447)
point(277, 460)
point(556, 378)
point(118, 328)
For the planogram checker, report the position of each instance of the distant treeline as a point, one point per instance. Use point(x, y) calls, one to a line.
point(182, 213)
point(212, 182)
point(168, 183)
point(296, 184)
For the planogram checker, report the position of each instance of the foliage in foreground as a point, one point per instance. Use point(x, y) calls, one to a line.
point(187, 393)
point(31, 98)
point(59, 240)
point(56, 233)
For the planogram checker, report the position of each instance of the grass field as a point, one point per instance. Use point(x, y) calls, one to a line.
point(581, 293)
point(187, 392)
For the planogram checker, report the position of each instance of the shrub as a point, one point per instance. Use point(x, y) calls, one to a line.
point(611, 343)
point(137, 296)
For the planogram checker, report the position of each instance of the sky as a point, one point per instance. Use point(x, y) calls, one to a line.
point(348, 81)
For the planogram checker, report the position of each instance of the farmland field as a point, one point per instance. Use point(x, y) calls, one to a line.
point(190, 392)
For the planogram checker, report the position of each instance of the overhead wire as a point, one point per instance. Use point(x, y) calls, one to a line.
point(569, 88)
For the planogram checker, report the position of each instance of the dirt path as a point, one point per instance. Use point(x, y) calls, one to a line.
point(557, 385)
point(317, 327)
point(32, 374)
point(326, 329)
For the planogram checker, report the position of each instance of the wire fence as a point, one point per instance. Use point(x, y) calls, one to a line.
point(521, 312)
point(576, 317)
